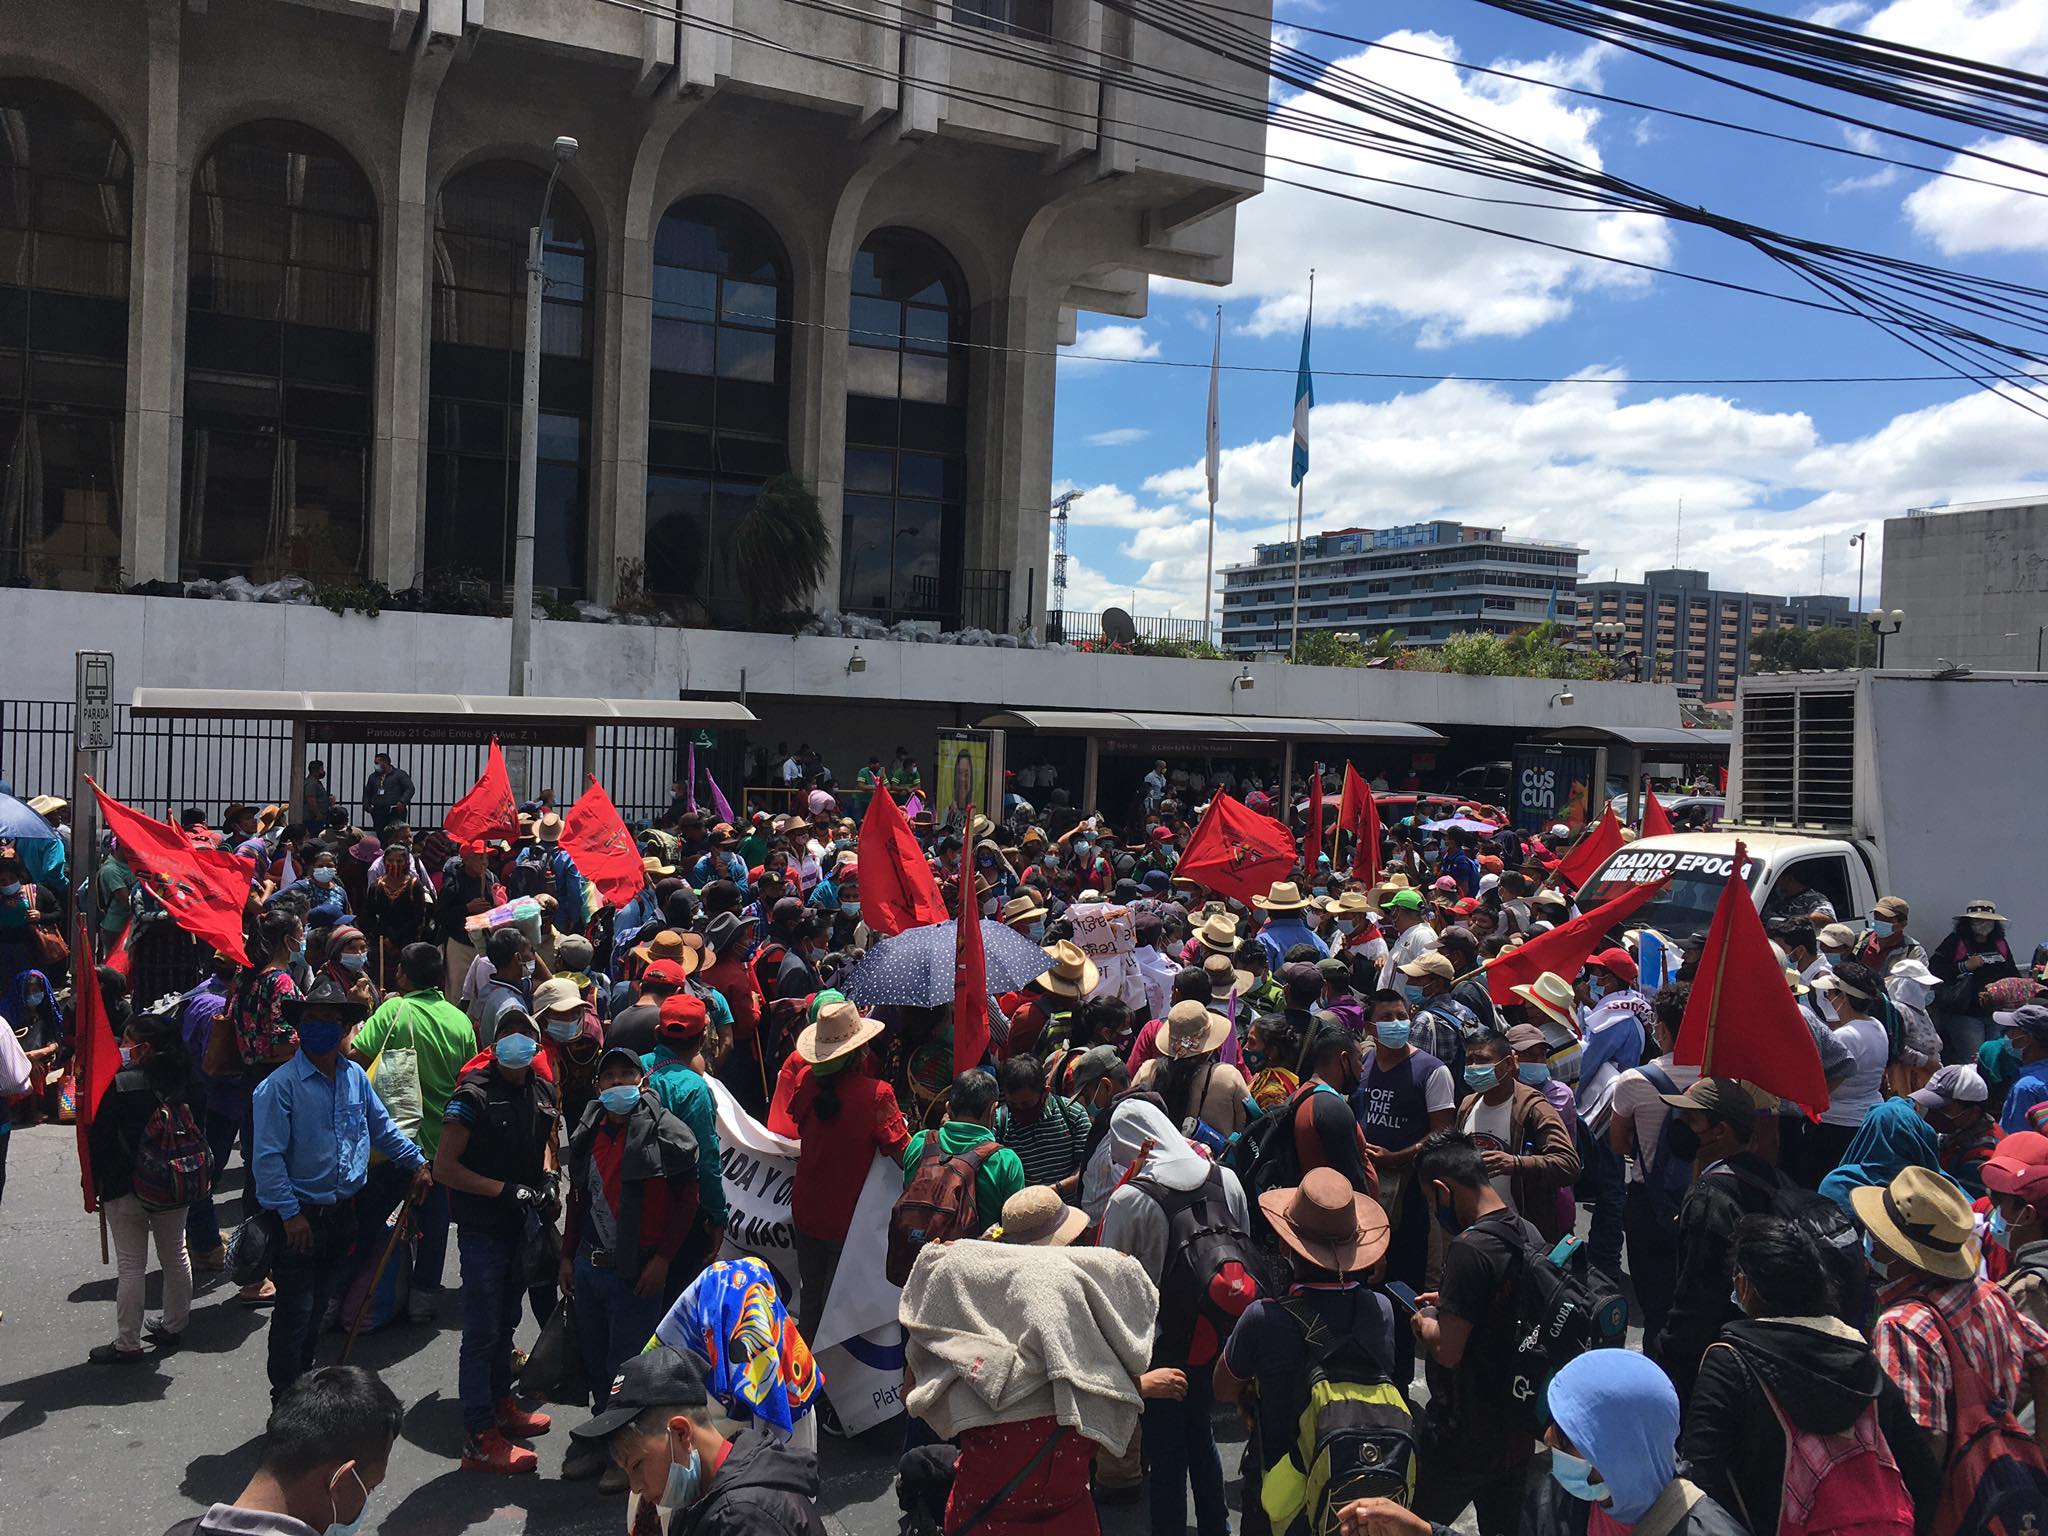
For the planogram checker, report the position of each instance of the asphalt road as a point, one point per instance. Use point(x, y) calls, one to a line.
point(133, 1449)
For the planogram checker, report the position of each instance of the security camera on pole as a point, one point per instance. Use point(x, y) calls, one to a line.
point(518, 760)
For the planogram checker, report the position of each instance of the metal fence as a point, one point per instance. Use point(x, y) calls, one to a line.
point(1065, 624)
point(161, 766)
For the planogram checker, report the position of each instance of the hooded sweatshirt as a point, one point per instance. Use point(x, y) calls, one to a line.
point(1824, 1377)
point(764, 1488)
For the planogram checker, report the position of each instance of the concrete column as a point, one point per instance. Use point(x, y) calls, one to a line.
point(405, 292)
point(154, 430)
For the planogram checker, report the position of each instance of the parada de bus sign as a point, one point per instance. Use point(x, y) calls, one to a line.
point(1634, 866)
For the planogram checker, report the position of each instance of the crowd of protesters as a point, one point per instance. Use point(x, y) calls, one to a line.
point(1285, 1154)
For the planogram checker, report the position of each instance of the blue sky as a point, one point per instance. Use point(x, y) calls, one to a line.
point(1773, 478)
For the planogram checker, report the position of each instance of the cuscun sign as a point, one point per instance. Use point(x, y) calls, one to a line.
point(1550, 786)
point(1640, 866)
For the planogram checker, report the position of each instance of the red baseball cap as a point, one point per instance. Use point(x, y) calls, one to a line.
point(683, 1017)
point(666, 973)
point(2019, 1167)
point(1615, 962)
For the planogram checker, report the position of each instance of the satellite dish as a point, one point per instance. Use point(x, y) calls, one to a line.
point(1117, 627)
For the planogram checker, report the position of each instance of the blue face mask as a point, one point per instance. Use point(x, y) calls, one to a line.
point(1594, 989)
point(620, 1100)
point(1880, 1267)
point(1393, 1033)
point(1254, 1060)
point(299, 954)
point(1480, 1079)
point(325, 874)
point(354, 962)
point(681, 1490)
point(1447, 1218)
point(517, 1051)
point(11, 889)
point(2001, 1229)
point(1574, 1474)
point(563, 1030)
point(1534, 1073)
point(1881, 928)
point(318, 1037)
point(1414, 994)
point(338, 1526)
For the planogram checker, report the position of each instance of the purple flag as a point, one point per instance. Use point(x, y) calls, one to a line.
point(718, 797)
point(690, 779)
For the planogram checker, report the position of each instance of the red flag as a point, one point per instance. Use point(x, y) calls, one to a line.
point(604, 851)
point(970, 967)
point(1315, 821)
point(95, 1059)
point(1236, 851)
point(120, 960)
point(1593, 850)
point(205, 890)
point(1564, 949)
point(488, 810)
point(1741, 1020)
point(1656, 823)
point(1721, 779)
point(897, 890)
point(1359, 814)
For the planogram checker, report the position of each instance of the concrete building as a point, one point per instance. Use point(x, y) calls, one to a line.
point(1424, 581)
point(1684, 630)
point(261, 282)
point(1972, 581)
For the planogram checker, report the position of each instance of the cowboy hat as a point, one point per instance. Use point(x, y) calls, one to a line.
point(1982, 912)
point(1037, 1217)
point(1327, 1222)
point(1225, 979)
point(1551, 995)
point(1021, 909)
point(840, 1030)
point(1924, 1219)
point(1218, 933)
point(1349, 902)
point(328, 996)
point(1071, 974)
point(49, 805)
point(548, 828)
point(1192, 1030)
point(651, 864)
point(1284, 896)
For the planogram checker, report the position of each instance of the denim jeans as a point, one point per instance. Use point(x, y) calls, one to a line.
point(1180, 1445)
point(493, 1285)
point(1603, 1182)
point(306, 1282)
point(612, 1324)
point(202, 1219)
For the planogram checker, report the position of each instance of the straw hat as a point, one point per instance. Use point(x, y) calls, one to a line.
point(1021, 909)
point(1982, 912)
point(1328, 1222)
point(1924, 1219)
point(1192, 1030)
point(1218, 933)
point(1071, 974)
point(1225, 980)
point(49, 805)
point(840, 1030)
point(1038, 1218)
point(1285, 896)
point(1551, 995)
point(549, 828)
point(1349, 904)
point(653, 865)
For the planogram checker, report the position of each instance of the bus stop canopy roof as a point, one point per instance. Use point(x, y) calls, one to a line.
point(1653, 738)
point(1116, 722)
point(441, 708)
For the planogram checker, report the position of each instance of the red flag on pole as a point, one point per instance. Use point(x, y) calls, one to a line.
point(1313, 859)
point(1593, 850)
point(1235, 850)
point(1741, 1020)
point(605, 853)
point(1359, 814)
point(488, 810)
point(897, 890)
point(95, 1058)
point(970, 968)
point(205, 890)
point(1564, 949)
point(1656, 821)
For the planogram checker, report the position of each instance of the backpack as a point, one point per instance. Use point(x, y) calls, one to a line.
point(1835, 1485)
point(172, 1164)
point(1355, 1438)
point(937, 1205)
point(1558, 1309)
point(1996, 1479)
point(1666, 1177)
point(1839, 1238)
point(1212, 1272)
point(1264, 1156)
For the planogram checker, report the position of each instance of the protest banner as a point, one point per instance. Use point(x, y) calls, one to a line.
point(1104, 934)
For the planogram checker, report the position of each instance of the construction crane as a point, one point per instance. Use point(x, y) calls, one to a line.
point(1059, 549)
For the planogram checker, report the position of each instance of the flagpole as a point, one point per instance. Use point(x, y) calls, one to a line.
point(1209, 564)
point(1300, 491)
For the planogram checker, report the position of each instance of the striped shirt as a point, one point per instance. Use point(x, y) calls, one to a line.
point(1049, 1147)
point(1995, 1337)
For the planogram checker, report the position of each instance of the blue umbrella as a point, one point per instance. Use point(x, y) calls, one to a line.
point(19, 824)
point(914, 969)
point(1461, 824)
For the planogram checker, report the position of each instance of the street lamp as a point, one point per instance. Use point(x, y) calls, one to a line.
point(1862, 543)
point(529, 436)
point(1607, 635)
point(1883, 624)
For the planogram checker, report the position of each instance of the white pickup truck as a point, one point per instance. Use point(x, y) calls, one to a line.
point(1867, 784)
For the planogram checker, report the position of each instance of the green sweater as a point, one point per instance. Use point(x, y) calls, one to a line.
point(1001, 1175)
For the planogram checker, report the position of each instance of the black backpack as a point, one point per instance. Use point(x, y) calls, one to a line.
point(1354, 1437)
point(1840, 1240)
point(1666, 1177)
point(1213, 1272)
point(1263, 1154)
point(1558, 1312)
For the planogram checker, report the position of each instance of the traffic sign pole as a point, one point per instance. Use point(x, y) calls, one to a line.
point(92, 732)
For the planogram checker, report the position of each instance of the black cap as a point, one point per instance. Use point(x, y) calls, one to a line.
point(663, 1377)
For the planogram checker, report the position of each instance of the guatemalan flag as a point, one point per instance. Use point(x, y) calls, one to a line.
point(1304, 397)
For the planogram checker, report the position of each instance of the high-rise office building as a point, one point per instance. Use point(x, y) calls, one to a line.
point(1684, 630)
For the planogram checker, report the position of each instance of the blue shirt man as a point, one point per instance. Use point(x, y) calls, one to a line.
point(2026, 1031)
point(1283, 906)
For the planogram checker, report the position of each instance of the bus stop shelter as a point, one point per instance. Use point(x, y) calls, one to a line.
point(1641, 744)
point(1163, 733)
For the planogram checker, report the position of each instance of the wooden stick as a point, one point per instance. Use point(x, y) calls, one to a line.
point(103, 1235)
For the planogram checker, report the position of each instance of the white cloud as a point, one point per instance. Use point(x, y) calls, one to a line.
point(1118, 437)
point(1766, 498)
point(1103, 344)
point(1375, 266)
point(1961, 217)
point(2011, 33)
point(1842, 14)
point(1865, 142)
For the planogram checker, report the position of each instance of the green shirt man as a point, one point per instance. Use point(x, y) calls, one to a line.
point(442, 1039)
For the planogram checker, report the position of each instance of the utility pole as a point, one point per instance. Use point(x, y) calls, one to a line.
point(92, 737)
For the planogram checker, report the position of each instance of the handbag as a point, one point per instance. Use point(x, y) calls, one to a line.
point(395, 1074)
point(47, 943)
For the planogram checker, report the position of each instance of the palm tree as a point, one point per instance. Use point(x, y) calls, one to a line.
point(780, 549)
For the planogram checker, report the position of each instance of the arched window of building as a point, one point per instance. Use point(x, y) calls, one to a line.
point(64, 229)
point(279, 359)
point(717, 394)
point(906, 432)
point(481, 219)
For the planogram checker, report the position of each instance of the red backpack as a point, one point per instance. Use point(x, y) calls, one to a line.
point(1996, 1480)
point(937, 1205)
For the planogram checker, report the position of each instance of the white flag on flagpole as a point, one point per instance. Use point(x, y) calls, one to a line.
point(1215, 443)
